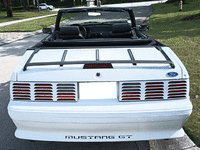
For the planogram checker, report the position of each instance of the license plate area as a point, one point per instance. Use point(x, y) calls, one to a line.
point(98, 90)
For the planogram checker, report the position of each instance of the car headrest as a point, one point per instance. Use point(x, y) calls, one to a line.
point(121, 27)
point(70, 30)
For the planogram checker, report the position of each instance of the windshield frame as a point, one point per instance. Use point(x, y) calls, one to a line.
point(71, 10)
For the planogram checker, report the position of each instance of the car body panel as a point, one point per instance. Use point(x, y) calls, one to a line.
point(105, 117)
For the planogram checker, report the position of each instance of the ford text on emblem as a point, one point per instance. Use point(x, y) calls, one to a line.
point(172, 74)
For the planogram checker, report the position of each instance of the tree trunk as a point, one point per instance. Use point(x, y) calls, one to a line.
point(28, 3)
point(8, 6)
point(25, 6)
point(38, 5)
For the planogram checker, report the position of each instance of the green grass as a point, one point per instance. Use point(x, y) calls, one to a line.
point(29, 26)
point(18, 15)
point(184, 39)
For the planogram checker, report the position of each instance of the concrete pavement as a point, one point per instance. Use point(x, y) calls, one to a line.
point(9, 37)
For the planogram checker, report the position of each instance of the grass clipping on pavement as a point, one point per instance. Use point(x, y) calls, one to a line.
point(182, 35)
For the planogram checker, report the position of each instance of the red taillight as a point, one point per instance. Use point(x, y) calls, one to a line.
point(126, 93)
point(43, 85)
point(127, 99)
point(66, 92)
point(21, 84)
point(43, 92)
point(97, 66)
point(61, 94)
point(153, 97)
point(131, 96)
point(154, 90)
point(177, 89)
point(131, 91)
point(158, 90)
point(21, 91)
point(66, 96)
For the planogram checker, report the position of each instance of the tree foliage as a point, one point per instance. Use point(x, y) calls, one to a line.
point(7, 4)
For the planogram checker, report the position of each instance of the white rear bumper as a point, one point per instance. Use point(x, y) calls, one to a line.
point(99, 120)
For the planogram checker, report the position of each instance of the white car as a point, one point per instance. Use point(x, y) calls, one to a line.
point(98, 78)
point(44, 6)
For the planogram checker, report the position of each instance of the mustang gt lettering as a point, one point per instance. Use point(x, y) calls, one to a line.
point(96, 78)
point(98, 137)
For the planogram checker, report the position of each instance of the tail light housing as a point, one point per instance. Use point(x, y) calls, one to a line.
point(21, 91)
point(153, 90)
point(131, 91)
point(128, 91)
point(43, 91)
point(177, 89)
point(66, 92)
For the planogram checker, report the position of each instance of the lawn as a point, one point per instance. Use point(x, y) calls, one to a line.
point(29, 26)
point(23, 14)
point(183, 37)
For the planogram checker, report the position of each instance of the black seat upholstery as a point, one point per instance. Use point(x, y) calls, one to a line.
point(70, 32)
point(121, 30)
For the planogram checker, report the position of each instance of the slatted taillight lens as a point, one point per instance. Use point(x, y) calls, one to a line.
point(43, 92)
point(154, 90)
point(21, 91)
point(177, 89)
point(130, 91)
point(66, 92)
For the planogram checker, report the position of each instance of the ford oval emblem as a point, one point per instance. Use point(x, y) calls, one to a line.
point(172, 74)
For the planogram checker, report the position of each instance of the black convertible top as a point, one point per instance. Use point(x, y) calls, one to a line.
point(119, 33)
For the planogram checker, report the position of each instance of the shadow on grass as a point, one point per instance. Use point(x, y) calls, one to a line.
point(172, 27)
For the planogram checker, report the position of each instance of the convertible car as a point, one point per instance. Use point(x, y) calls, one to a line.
point(98, 78)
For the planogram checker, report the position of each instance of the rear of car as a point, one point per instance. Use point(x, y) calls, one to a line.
point(97, 78)
point(68, 97)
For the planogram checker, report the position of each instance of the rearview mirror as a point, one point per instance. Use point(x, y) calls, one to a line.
point(144, 28)
point(47, 30)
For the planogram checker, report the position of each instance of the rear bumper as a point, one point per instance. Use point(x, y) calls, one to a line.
point(99, 120)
